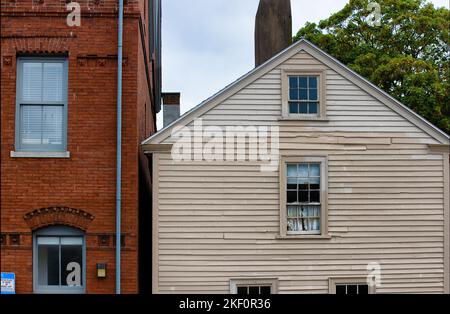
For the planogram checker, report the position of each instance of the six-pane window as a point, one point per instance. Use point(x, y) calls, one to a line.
point(303, 95)
point(303, 197)
point(42, 104)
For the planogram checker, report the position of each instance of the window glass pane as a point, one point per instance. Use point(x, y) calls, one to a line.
point(303, 94)
point(315, 224)
point(241, 290)
point(71, 263)
point(292, 183)
point(291, 170)
point(303, 196)
point(312, 82)
point(293, 107)
point(31, 124)
point(48, 240)
point(302, 183)
point(291, 225)
point(53, 80)
point(340, 289)
point(253, 290)
point(314, 170)
point(303, 108)
point(293, 94)
point(291, 196)
point(314, 183)
point(266, 290)
point(292, 211)
point(363, 289)
point(303, 82)
point(71, 241)
point(312, 107)
point(351, 289)
point(293, 81)
point(48, 265)
point(312, 94)
point(314, 197)
point(303, 170)
point(32, 82)
point(52, 125)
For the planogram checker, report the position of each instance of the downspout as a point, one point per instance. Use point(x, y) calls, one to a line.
point(119, 146)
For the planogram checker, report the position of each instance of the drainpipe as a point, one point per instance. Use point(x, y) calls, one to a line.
point(119, 146)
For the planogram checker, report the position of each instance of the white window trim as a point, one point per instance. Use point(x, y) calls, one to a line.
point(19, 80)
point(333, 281)
point(323, 160)
point(273, 282)
point(322, 112)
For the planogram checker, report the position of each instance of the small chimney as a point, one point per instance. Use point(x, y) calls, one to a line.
point(273, 29)
point(171, 107)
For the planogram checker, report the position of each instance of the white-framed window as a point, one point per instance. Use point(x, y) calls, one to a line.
point(254, 286)
point(303, 94)
point(59, 258)
point(303, 195)
point(41, 104)
point(350, 286)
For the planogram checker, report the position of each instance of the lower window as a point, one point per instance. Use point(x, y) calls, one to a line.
point(351, 286)
point(251, 289)
point(352, 289)
point(59, 258)
point(253, 286)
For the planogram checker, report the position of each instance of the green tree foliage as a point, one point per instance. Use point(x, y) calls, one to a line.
point(407, 55)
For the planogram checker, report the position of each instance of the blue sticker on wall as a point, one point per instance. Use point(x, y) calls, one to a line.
point(8, 283)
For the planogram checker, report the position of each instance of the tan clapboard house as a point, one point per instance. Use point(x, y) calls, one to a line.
point(361, 190)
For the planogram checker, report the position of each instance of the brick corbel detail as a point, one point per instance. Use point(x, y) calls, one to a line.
point(58, 215)
point(42, 44)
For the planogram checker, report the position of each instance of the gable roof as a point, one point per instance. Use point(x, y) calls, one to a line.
point(331, 62)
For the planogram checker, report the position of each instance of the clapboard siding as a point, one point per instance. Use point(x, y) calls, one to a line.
point(220, 220)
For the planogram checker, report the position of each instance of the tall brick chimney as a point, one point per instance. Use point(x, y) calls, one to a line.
point(171, 107)
point(273, 29)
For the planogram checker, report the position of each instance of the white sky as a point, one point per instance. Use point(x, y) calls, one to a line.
point(207, 44)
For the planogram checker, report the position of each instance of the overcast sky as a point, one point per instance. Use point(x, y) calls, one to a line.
point(207, 44)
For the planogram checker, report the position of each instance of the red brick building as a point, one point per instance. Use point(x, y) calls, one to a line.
point(58, 142)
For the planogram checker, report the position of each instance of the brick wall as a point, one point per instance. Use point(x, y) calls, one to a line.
point(86, 180)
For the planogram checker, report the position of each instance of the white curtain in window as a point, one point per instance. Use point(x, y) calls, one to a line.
point(304, 218)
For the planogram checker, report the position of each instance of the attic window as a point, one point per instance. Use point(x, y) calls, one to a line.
point(303, 95)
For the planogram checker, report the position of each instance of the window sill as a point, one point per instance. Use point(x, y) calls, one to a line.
point(303, 119)
point(29, 154)
point(303, 237)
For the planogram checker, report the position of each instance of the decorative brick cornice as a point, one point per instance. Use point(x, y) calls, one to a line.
point(99, 60)
point(58, 215)
point(40, 43)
